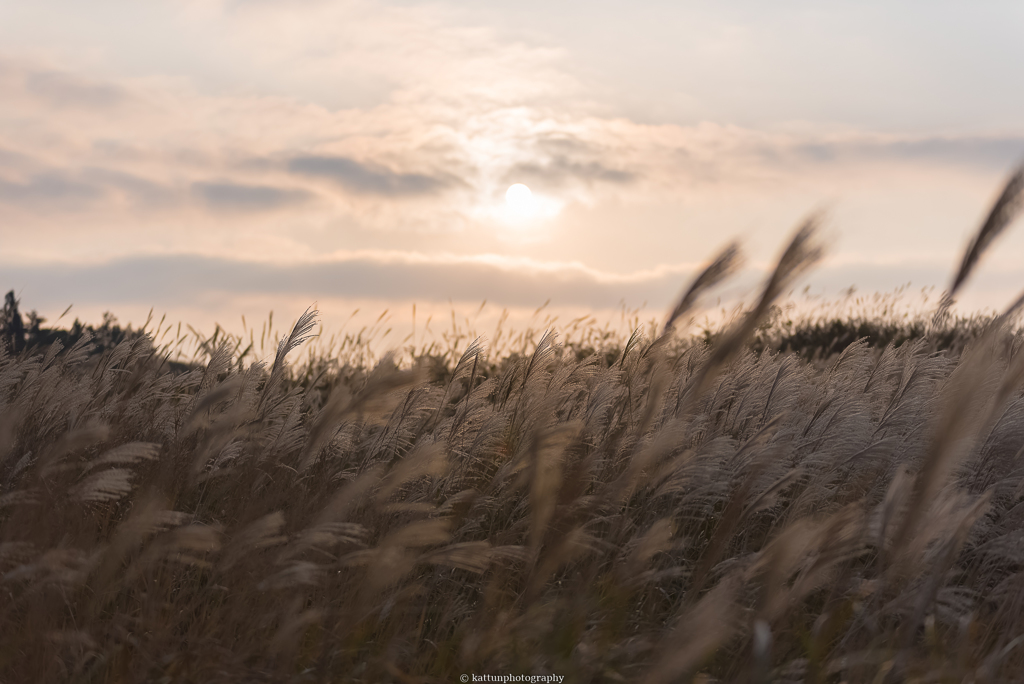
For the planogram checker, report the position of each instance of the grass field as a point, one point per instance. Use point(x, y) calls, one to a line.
point(817, 502)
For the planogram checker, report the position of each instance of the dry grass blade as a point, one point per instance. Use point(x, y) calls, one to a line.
point(1002, 214)
point(724, 265)
point(804, 251)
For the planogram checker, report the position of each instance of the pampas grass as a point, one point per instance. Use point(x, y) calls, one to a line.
point(665, 509)
point(1002, 214)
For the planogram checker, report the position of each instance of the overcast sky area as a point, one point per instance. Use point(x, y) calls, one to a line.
point(210, 159)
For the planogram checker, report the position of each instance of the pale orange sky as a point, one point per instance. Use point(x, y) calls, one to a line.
point(214, 158)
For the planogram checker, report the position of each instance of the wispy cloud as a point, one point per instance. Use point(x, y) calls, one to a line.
point(64, 89)
point(364, 125)
point(47, 191)
point(562, 159)
point(224, 196)
point(137, 191)
point(407, 276)
point(997, 152)
point(361, 178)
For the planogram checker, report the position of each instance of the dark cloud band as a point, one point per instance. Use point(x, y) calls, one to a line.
point(369, 179)
point(178, 279)
point(239, 197)
point(152, 280)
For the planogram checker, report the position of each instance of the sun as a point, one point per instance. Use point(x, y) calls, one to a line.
point(523, 216)
point(520, 201)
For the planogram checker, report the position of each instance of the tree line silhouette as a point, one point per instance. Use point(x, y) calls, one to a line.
point(18, 334)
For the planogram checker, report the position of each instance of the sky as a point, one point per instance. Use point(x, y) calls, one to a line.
point(213, 159)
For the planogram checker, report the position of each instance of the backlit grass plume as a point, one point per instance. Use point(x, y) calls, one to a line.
point(1002, 214)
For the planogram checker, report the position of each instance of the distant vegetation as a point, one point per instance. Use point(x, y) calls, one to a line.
point(814, 336)
point(772, 501)
point(20, 332)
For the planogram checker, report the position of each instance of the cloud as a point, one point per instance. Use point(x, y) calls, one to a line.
point(378, 280)
point(565, 157)
point(987, 152)
point(227, 196)
point(370, 179)
point(34, 83)
point(95, 187)
point(141, 192)
point(11, 159)
point(560, 172)
point(154, 279)
point(82, 189)
point(64, 89)
point(456, 122)
point(990, 152)
point(48, 190)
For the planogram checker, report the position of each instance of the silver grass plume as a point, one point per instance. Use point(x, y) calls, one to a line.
point(804, 251)
point(467, 362)
point(106, 485)
point(127, 454)
point(725, 264)
point(301, 332)
point(376, 398)
point(999, 217)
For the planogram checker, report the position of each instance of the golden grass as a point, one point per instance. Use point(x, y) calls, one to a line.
point(671, 512)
